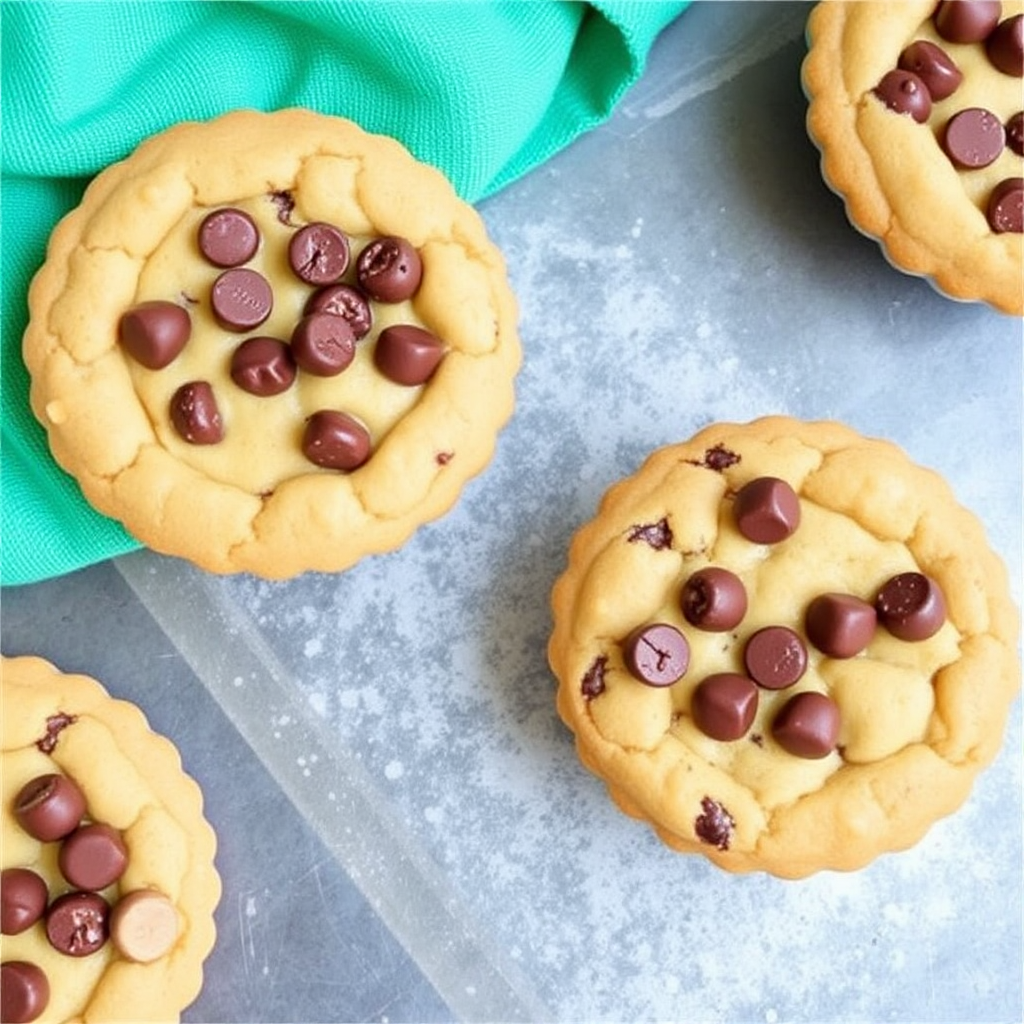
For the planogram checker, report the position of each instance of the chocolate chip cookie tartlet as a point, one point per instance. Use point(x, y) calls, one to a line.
point(272, 342)
point(785, 646)
point(916, 107)
point(108, 886)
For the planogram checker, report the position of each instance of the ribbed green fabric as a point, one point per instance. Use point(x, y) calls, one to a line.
point(483, 90)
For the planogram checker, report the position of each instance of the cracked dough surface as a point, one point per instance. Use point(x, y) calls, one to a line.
point(918, 720)
point(252, 502)
point(898, 185)
point(132, 779)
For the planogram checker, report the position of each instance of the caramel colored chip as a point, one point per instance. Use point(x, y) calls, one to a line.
point(144, 925)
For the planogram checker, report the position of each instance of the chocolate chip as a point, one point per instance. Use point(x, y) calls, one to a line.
point(775, 657)
point(840, 625)
point(407, 354)
point(55, 725)
point(658, 535)
point(1006, 206)
point(966, 21)
point(335, 440)
point(194, 413)
point(241, 299)
point(656, 654)
point(714, 826)
point(766, 510)
point(49, 807)
point(911, 606)
point(389, 269)
point(76, 923)
point(807, 725)
point(723, 705)
point(93, 856)
point(933, 66)
point(905, 93)
point(318, 253)
point(263, 366)
point(153, 333)
point(228, 237)
point(285, 203)
point(23, 897)
point(1005, 46)
point(24, 992)
point(345, 301)
point(592, 683)
point(973, 138)
point(717, 458)
point(714, 599)
point(1015, 133)
point(323, 344)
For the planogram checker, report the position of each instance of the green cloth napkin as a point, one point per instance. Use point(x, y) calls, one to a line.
point(483, 90)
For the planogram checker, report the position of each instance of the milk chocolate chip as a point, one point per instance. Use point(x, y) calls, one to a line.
point(766, 510)
point(911, 606)
point(775, 657)
point(407, 354)
point(318, 253)
point(973, 138)
point(657, 535)
point(323, 344)
point(93, 856)
point(241, 299)
point(724, 705)
point(840, 625)
point(714, 599)
point(1005, 46)
point(24, 992)
point(144, 925)
point(966, 21)
point(153, 333)
point(23, 897)
point(228, 237)
point(657, 654)
point(389, 269)
point(76, 923)
point(1015, 133)
point(714, 824)
point(263, 366)
point(1006, 206)
point(592, 683)
point(49, 807)
point(905, 93)
point(807, 725)
point(195, 415)
point(933, 66)
point(335, 440)
point(345, 301)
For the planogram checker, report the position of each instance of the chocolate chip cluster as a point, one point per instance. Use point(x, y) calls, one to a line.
point(93, 856)
point(973, 137)
point(337, 315)
point(766, 510)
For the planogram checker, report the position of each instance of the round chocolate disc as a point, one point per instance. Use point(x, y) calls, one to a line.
point(318, 253)
point(346, 301)
point(93, 856)
point(241, 299)
point(910, 605)
point(723, 705)
point(974, 138)
point(657, 654)
point(228, 237)
point(76, 923)
point(389, 269)
point(840, 625)
point(49, 807)
point(263, 366)
point(714, 599)
point(775, 657)
point(807, 725)
point(323, 344)
point(1015, 133)
point(24, 992)
point(23, 897)
point(1006, 206)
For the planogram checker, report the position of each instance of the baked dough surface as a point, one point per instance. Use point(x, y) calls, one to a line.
point(918, 720)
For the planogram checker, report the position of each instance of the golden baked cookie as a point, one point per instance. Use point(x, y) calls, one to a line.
point(916, 108)
point(108, 886)
point(272, 342)
point(785, 646)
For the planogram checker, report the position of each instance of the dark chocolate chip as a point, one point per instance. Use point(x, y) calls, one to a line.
point(263, 366)
point(195, 415)
point(724, 705)
point(241, 299)
point(656, 654)
point(55, 725)
point(966, 21)
point(389, 269)
point(717, 458)
point(910, 605)
point(933, 66)
point(153, 333)
point(973, 138)
point(335, 440)
point(1005, 210)
point(766, 510)
point(49, 807)
point(840, 625)
point(228, 237)
point(714, 599)
point(775, 657)
point(905, 93)
point(318, 253)
point(407, 354)
point(93, 856)
point(76, 923)
point(807, 725)
point(323, 344)
point(1015, 133)
point(658, 535)
point(345, 301)
point(592, 683)
point(714, 825)
point(24, 992)
point(23, 897)
point(1005, 46)
point(285, 203)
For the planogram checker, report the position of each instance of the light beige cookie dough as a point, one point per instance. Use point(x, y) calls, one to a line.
point(150, 968)
point(897, 180)
point(243, 494)
point(912, 721)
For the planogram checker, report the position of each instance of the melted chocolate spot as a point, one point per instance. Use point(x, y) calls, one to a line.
point(443, 458)
point(717, 458)
point(54, 725)
point(658, 535)
point(285, 203)
point(592, 683)
point(715, 825)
